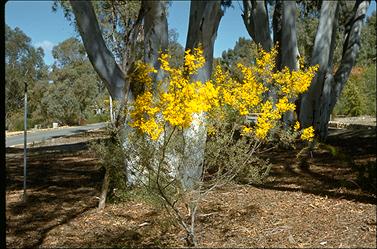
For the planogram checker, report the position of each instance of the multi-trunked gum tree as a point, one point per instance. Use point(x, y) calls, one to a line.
point(181, 124)
point(160, 119)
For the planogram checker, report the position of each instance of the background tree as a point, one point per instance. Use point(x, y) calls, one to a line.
point(368, 41)
point(76, 91)
point(175, 49)
point(244, 52)
point(359, 94)
point(23, 63)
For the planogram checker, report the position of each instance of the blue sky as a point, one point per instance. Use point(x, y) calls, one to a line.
point(47, 29)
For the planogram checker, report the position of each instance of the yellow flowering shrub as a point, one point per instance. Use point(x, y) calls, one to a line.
point(226, 101)
point(175, 104)
point(249, 95)
point(178, 102)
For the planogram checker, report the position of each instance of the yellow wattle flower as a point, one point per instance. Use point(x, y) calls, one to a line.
point(181, 98)
point(297, 126)
point(308, 134)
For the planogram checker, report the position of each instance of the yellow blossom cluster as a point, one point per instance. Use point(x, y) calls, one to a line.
point(142, 75)
point(177, 104)
point(194, 61)
point(249, 95)
point(183, 97)
point(307, 134)
point(242, 96)
point(144, 112)
point(296, 127)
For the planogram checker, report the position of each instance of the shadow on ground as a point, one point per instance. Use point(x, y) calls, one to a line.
point(64, 180)
point(62, 183)
point(342, 168)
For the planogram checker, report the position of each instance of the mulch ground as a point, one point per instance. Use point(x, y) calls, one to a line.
point(328, 201)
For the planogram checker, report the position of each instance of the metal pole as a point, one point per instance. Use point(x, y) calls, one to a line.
point(111, 109)
point(25, 140)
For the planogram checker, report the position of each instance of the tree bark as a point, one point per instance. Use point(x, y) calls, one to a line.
point(255, 17)
point(277, 20)
point(104, 190)
point(351, 48)
point(288, 50)
point(319, 102)
point(288, 43)
point(321, 55)
point(155, 34)
point(155, 42)
point(99, 55)
point(204, 21)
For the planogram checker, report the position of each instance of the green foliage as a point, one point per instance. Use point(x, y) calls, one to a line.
point(367, 52)
point(359, 94)
point(229, 155)
point(98, 118)
point(175, 49)
point(244, 52)
point(306, 31)
point(70, 51)
point(111, 155)
point(60, 105)
point(16, 122)
point(76, 89)
point(23, 64)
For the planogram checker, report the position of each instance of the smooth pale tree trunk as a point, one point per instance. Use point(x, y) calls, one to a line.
point(155, 42)
point(288, 43)
point(351, 49)
point(155, 34)
point(256, 20)
point(326, 91)
point(204, 21)
point(277, 20)
point(103, 62)
point(288, 50)
point(99, 55)
point(105, 65)
point(319, 102)
point(321, 55)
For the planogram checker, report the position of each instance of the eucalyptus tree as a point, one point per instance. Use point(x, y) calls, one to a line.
point(317, 104)
point(75, 91)
point(23, 64)
point(203, 24)
point(116, 76)
point(204, 21)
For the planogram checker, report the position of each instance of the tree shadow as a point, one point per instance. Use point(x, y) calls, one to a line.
point(342, 168)
point(62, 183)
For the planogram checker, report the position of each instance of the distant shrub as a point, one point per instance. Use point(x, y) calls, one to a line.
point(98, 118)
point(359, 94)
point(16, 122)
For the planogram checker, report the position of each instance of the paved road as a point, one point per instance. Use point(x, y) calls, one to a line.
point(36, 136)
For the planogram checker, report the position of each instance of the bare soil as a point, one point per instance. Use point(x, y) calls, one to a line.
point(327, 201)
